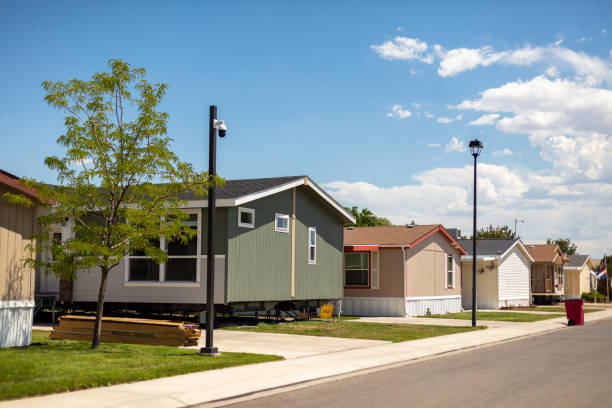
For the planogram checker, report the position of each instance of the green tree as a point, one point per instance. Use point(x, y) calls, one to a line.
point(566, 245)
point(366, 218)
point(498, 231)
point(118, 179)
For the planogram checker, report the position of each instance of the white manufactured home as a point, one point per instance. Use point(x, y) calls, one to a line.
point(503, 269)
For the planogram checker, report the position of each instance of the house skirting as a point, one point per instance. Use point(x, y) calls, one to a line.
point(418, 306)
point(514, 302)
point(373, 306)
point(400, 306)
point(16, 322)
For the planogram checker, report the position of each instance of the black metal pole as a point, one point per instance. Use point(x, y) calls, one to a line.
point(474, 253)
point(210, 249)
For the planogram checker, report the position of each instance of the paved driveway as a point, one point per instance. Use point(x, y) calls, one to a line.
point(286, 345)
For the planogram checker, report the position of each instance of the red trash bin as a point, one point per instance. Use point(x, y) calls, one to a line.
point(574, 310)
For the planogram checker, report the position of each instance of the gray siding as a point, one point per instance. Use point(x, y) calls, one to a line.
point(259, 259)
point(87, 284)
point(324, 279)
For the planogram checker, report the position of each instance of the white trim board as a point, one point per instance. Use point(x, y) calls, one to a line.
point(10, 304)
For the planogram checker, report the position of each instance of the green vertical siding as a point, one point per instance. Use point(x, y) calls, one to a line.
point(259, 259)
point(220, 230)
point(324, 279)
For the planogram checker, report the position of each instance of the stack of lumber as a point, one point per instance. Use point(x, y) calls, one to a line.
point(127, 330)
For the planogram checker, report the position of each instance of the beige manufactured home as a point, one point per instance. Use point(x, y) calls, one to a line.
point(547, 278)
point(579, 276)
point(401, 270)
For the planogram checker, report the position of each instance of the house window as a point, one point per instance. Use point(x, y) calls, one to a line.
point(246, 217)
point(182, 262)
point(142, 268)
point(450, 272)
point(281, 223)
point(356, 269)
point(560, 274)
point(312, 245)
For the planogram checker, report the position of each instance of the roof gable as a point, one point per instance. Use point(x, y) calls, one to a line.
point(395, 235)
point(545, 252)
point(238, 192)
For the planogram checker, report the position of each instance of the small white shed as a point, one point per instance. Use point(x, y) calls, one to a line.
point(503, 268)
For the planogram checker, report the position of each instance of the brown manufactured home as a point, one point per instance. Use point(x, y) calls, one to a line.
point(401, 270)
point(547, 278)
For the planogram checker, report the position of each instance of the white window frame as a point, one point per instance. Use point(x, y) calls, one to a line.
point(249, 211)
point(446, 271)
point(162, 267)
point(560, 277)
point(278, 216)
point(310, 260)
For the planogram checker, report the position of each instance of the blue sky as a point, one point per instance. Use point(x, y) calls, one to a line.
point(375, 101)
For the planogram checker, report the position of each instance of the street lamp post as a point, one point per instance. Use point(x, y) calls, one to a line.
point(475, 148)
point(214, 124)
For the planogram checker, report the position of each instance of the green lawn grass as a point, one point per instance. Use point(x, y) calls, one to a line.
point(499, 316)
point(50, 366)
point(356, 330)
point(553, 309)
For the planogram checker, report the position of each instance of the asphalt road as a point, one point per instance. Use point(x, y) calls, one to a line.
point(567, 368)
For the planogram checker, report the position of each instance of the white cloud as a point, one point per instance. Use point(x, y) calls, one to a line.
point(399, 112)
point(434, 145)
point(404, 48)
point(504, 152)
point(459, 116)
point(604, 32)
point(552, 72)
point(569, 121)
point(585, 40)
point(444, 195)
point(455, 145)
point(429, 115)
point(416, 105)
point(488, 119)
point(457, 60)
point(445, 120)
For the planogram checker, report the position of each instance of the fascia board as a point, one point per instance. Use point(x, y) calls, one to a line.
point(467, 258)
point(268, 192)
point(522, 248)
point(223, 202)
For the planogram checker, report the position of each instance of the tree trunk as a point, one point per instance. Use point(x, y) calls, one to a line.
point(95, 341)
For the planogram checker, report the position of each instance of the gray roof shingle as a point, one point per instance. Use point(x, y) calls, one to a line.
point(240, 188)
point(576, 261)
point(488, 246)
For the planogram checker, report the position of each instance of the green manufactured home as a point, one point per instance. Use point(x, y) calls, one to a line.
point(277, 240)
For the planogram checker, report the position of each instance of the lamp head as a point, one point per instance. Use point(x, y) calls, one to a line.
point(475, 147)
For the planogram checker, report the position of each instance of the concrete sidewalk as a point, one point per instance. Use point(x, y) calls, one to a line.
point(217, 385)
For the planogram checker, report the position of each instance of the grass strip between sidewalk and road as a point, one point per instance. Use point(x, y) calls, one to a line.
point(50, 366)
point(552, 309)
point(356, 330)
point(499, 316)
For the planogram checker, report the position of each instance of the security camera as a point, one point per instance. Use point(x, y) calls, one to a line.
point(219, 124)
